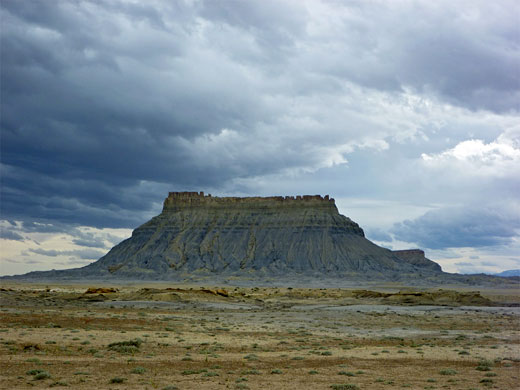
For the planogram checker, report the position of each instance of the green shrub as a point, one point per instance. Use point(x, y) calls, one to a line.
point(138, 370)
point(34, 371)
point(42, 375)
point(345, 386)
point(58, 383)
point(130, 346)
point(484, 365)
point(193, 372)
point(447, 371)
point(250, 372)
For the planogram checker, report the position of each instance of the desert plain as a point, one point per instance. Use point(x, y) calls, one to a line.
point(175, 336)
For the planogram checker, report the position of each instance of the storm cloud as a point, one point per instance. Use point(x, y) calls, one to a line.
point(108, 105)
point(87, 254)
point(460, 227)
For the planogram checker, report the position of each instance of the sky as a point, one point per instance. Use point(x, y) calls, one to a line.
point(406, 112)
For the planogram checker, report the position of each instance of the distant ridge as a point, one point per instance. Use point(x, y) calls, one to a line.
point(509, 273)
point(201, 236)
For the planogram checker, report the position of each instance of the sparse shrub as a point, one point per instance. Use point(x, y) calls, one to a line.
point(344, 386)
point(58, 383)
point(130, 346)
point(138, 370)
point(276, 371)
point(34, 371)
point(251, 356)
point(193, 372)
point(250, 372)
point(42, 375)
point(484, 365)
point(447, 371)
point(117, 379)
point(346, 373)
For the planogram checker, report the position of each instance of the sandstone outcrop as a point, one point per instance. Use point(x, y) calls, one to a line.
point(100, 290)
point(439, 297)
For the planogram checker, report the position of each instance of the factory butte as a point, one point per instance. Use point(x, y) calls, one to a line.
point(179, 200)
point(270, 238)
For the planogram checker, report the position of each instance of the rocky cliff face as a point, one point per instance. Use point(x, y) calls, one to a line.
point(201, 234)
point(417, 258)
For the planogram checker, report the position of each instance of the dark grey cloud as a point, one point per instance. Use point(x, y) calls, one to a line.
point(457, 227)
point(7, 234)
point(86, 254)
point(107, 105)
point(79, 236)
point(45, 252)
point(94, 242)
point(41, 227)
point(378, 235)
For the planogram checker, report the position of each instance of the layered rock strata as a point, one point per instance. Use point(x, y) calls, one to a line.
point(417, 257)
point(197, 233)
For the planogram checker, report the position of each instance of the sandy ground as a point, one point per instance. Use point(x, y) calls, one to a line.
point(188, 337)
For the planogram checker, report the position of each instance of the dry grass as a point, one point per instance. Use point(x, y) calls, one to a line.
point(254, 339)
